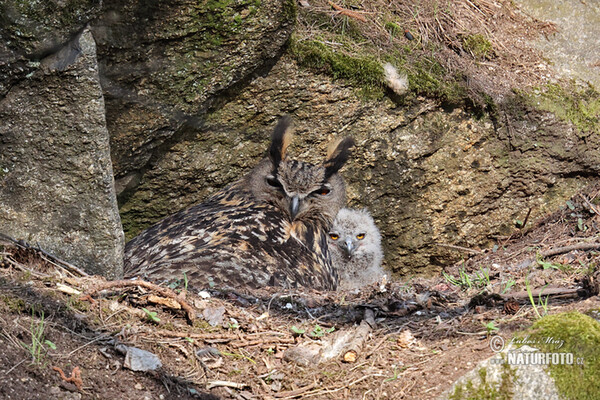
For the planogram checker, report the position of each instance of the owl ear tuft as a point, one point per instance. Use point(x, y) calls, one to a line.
point(280, 140)
point(337, 155)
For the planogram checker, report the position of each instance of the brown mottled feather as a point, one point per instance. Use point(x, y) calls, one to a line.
point(244, 235)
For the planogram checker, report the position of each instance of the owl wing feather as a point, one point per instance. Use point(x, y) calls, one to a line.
point(232, 241)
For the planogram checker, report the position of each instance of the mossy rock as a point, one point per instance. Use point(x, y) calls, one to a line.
point(165, 64)
point(579, 335)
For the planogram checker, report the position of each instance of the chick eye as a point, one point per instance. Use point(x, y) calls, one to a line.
point(272, 181)
point(360, 236)
point(334, 236)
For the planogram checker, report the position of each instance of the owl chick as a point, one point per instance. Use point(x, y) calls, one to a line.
point(268, 228)
point(355, 248)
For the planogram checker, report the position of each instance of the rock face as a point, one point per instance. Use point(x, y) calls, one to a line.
point(31, 30)
point(543, 362)
point(164, 63)
point(56, 181)
point(427, 174)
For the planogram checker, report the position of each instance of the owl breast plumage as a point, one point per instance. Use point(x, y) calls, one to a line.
point(268, 228)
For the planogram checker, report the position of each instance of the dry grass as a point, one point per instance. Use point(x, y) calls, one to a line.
point(443, 31)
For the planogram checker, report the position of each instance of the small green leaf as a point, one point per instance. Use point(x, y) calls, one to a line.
point(211, 282)
point(570, 205)
point(151, 315)
point(297, 331)
point(50, 344)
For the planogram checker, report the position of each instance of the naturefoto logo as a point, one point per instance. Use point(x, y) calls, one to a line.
point(525, 354)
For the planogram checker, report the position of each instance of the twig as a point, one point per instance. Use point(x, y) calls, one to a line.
point(552, 292)
point(526, 217)
point(70, 268)
point(45, 255)
point(15, 366)
point(150, 286)
point(318, 392)
point(346, 12)
point(353, 349)
point(590, 205)
point(295, 393)
point(84, 345)
point(234, 385)
point(560, 250)
point(566, 249)
point(263, 342)
point(452, 246)
point(23, 268)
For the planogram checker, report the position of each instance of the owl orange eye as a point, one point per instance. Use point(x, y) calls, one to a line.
point(334, 236)
point(324, 191)
point(360, 236)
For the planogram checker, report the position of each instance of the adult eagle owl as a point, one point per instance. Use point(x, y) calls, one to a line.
point(268, 228)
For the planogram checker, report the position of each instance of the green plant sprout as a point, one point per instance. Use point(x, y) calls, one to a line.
point(509, 284)
point(541, 303)
point(490, 327)
point(320, 332)
point(39, 345)
point(151, 315)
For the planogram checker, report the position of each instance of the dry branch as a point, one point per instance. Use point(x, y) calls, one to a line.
point(234, 385)
point(295, 393)
point(150, 286)
point(45, 256)
point(354, 348)
point(346, 12)
point(554, 293)
point(560, 250)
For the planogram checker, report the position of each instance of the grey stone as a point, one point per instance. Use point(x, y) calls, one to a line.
point(56, 181)
point(30, 30)
point(141, 360)
point(518, 382)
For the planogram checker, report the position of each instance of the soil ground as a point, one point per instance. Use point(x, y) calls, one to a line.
point(428, 332)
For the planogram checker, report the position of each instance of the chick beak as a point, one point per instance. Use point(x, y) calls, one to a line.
point(348, 247)
point(294, 206)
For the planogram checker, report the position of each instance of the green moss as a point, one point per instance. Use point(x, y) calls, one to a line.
point(14, 304)
point(393, 28)
point(486, 390)
point(78, 305)
point(364, 71)
point(579, 335)
point(430, 78)
point(579, 106)
point(478, 46)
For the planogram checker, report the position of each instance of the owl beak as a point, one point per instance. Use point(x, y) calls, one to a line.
point(349, 247)
point(294, 207)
